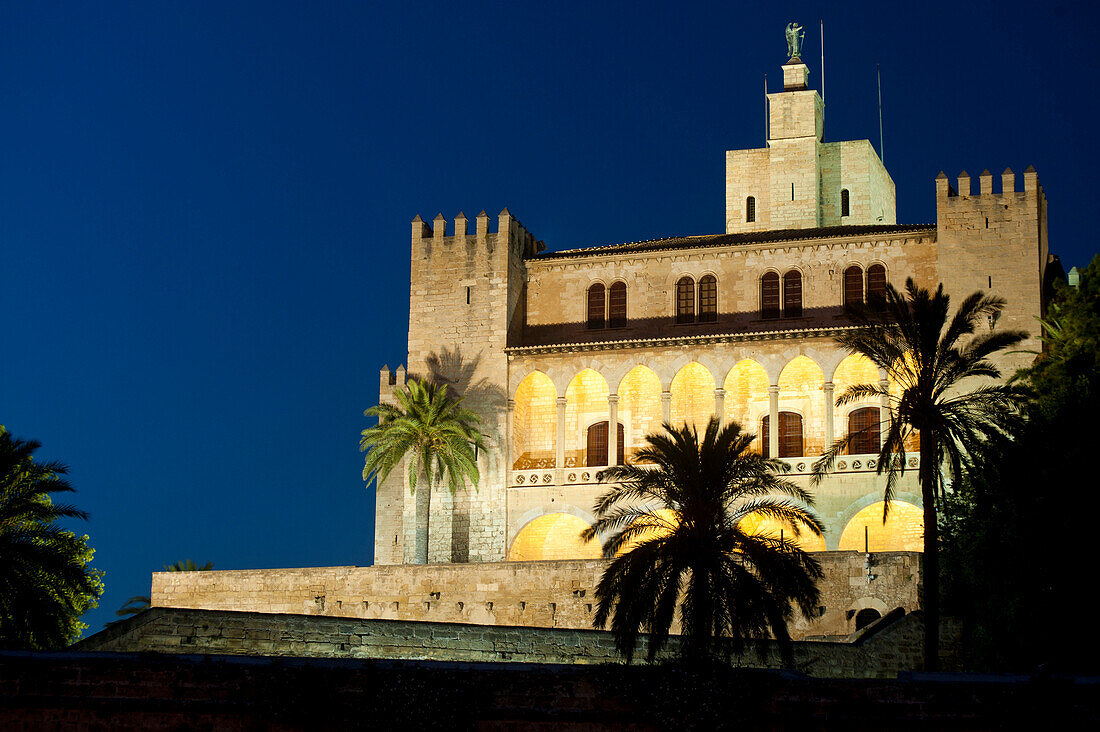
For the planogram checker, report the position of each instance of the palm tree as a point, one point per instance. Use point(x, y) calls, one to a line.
point(940, 366)
point(141, 603)
point(438, 435)
point(45, 581)
point(673, 525)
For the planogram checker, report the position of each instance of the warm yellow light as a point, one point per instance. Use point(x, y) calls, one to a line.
point(639, 406)
point(553, 536)
point(585, 404)
point(667, 515)
point(746, 401)
point(692, 396)
point(759, 525)
point(902, 532)
point(534, 422)
point(801, 389)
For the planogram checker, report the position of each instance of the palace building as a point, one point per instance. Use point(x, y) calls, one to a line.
point(572, 357)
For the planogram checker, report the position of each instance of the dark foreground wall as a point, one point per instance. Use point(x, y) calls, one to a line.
point(126, 691)
point(883, 650)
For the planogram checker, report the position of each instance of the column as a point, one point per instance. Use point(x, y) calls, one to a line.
point(666, 406)
point(508, 436)
point(830, 414)
point(559, 443)
point(612, 429)
point(720, 404)
point(773, 420)
point(884, 408)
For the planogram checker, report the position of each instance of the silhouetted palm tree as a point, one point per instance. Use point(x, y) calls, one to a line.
point(45, 583)
point(930, 357)
point(677, 519)
point(438, 435)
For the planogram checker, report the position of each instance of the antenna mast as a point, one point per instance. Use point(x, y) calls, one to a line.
point(881, 142)
point(767, 132)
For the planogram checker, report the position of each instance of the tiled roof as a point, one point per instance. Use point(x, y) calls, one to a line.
point(747, 238)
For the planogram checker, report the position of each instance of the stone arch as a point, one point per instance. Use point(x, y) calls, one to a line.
point(801, 389)
point(746, 388)
point(640, 410)
point(767, 526)
point(534, 422)
point(552, 536)
point(585, 404)
point(692, 396)
point(902, 532)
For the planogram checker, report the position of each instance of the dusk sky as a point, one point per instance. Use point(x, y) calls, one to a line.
point(204, 214)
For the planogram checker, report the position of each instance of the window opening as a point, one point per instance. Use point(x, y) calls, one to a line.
point(708, 299)
point(876, 284)
point(790, 434)
point(595, 306)
point(866, 616)
point(792, 191)
point(792, 294)
point(769, 295)
point(844, 202)
point(596, 454)
point(617, 305)
point(853, 286)
point(685, 300)
point(468, 295)
point(750, 209)
point(864, 428)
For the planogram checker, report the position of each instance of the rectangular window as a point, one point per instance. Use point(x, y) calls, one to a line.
point(769, 295)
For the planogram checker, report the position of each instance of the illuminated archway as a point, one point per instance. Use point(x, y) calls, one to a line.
point(534, 422)
point(692, 396)
point(639, 407)
point(801, 390)
point(746, 400)
point(902, 532)
point(766, 526)
point(553, 536)
point(585, 404)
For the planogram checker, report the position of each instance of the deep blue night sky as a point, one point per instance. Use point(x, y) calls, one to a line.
point(204, 208)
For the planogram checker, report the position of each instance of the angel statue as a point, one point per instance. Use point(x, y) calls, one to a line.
point(794, 41)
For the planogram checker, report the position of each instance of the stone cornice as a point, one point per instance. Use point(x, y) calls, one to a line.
point(685, 340)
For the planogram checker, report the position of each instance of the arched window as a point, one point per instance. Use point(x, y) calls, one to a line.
point(844, 211)
point(595, 306)
point(750, 209)
point(708, 299)
point(866, 616)
point(596, 454)
point(790, 434)
point(864, 427)
point(685, 300)
point(853, 285)
point(617, 305)
point(769, 295)
point(792, 294)
point(876, 284)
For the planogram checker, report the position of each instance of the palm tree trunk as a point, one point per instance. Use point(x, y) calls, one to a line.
point(929, 481)
point(423, 512)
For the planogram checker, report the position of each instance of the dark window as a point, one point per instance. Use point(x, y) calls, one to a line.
point(790, 434)
point(617, 306)
point(596, 454)
point(750, 209)
point(844, 202)
point(685, 300)
point(595, 306)
point(853, 286)
point(876, 284)
point(708, 299)
point(866, 616)
point(792, 294)
point(864, 426)
point(769, 295)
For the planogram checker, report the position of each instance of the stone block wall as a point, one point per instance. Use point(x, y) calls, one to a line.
point(553, 594)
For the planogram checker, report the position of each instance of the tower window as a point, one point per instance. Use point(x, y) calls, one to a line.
point(750, 209)
point(792, 191)
point(685, 300)
point(876, 284)
point(853, 286)
point(769, 295)
point(596, 306)
point(790, 434)
point(617, 305)
point(844, 210)
point(864, 427)
point(792, 294)
point(708, 299)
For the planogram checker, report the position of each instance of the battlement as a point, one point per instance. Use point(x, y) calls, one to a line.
point(964, 190)
point(508, 227)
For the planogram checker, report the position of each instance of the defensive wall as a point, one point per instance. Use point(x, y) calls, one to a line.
point(557, 594)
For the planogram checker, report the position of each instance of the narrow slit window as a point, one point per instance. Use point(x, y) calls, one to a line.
point(708, 299)
point(750, 209)
point(596, 306)
point(468, 295)
point(617, 305)
point(853, 286)
point(792, 294)
point(769, 295)
point(792, 191)
point(685, 300)
point(844, 209)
